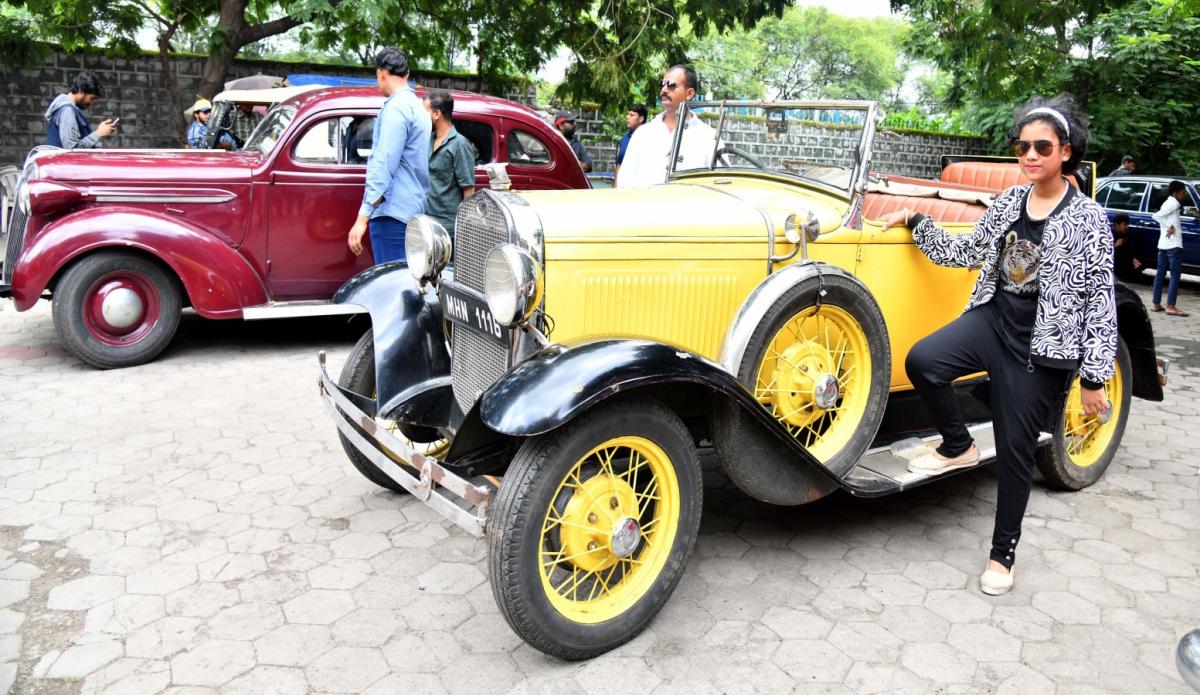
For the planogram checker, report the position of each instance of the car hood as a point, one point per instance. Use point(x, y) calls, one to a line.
point(147, 166)
point(701, 211)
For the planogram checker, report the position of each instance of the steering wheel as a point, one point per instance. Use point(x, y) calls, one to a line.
point(730, 149)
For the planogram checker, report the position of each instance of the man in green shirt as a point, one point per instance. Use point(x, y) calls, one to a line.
point(451, 162)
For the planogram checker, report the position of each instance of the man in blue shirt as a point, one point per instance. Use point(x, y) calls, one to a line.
point(398, 168)
point(635, 118)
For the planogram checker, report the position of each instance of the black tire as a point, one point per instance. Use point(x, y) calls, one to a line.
point(760, 476)
point(1057, 466)
point(88, 338)
point(358, 375)
point(532, 484)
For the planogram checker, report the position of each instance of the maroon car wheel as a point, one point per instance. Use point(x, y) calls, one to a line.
point(114, 309)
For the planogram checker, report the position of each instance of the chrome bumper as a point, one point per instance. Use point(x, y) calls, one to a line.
point(1164, 365)
point(454, 497)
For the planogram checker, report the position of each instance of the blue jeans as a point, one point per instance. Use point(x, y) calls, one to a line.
point(1174, 257)
point(387, 239)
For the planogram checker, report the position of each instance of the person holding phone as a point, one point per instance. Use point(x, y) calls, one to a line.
point(1042, 310)
point(67, 126)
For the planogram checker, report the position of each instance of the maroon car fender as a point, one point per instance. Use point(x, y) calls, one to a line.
point(218, 281)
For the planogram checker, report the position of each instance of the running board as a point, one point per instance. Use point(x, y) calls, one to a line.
point(884, 470)
point(291, 310)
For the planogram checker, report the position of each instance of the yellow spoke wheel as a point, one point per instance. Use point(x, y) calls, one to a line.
point(812, 377)
point(820, 363)
point(1084, 445)
point(609, 531)
point(593, 525)
point(1087, 436)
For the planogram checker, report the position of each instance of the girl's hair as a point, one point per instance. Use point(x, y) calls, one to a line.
point(1064, 104)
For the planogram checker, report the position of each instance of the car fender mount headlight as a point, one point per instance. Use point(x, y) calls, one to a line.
point(513, 284)
point(427, 247)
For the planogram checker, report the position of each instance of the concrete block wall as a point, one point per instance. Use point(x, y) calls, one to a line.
point(135, 91)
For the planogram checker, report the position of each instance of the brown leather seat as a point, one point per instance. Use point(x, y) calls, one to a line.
point(876, 205)
point(994, 176)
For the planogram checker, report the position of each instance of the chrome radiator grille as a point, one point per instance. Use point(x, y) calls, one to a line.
point(479, 228)
point(16, 238)
point(477, 362)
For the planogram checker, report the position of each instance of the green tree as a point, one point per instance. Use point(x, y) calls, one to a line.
point(617, 43)
point(806, 53)
point(1133, 65)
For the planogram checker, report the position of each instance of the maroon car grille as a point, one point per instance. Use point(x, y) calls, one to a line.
point(476, 362)
point(16, 239)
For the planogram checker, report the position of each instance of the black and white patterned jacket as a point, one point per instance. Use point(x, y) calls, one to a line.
point(1076, 312)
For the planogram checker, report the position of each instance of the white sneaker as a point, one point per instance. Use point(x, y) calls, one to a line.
point(933, 463)
point(995, 583)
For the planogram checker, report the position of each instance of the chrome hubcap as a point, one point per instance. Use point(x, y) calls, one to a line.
point(825, 391)
point(625, 537)
point(122, 308)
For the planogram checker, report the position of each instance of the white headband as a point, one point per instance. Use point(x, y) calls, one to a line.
point(1057, 116)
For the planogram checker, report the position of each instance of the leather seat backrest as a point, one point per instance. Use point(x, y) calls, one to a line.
point(992, 176)
point(876, 205)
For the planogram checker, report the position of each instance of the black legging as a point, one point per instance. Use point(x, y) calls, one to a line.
point(1023, 404)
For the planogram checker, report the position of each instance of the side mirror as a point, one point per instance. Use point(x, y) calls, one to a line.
point(1190, 211)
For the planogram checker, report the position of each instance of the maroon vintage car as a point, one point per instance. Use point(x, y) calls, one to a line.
point(122, 240)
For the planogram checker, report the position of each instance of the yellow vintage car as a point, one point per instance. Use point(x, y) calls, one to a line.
point(545, 378)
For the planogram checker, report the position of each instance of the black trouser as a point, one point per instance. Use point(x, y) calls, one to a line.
point(1023, 404)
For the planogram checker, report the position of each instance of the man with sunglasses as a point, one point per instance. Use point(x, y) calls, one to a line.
point(646, 158)
point(565, 123)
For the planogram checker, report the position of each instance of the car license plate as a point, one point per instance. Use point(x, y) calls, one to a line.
point(468, 308)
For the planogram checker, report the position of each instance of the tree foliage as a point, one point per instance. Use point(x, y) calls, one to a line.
point(1134, 65)
point(618, 45)
point(806, 53)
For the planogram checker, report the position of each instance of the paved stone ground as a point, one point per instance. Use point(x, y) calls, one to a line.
point(191, 526)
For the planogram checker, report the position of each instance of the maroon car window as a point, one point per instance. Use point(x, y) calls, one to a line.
point(319, 144)
point(482, 137)
point(344, 140)
point(527, 148)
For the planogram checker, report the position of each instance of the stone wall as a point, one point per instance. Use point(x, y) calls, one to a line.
point(134, 91)
point(905, 154)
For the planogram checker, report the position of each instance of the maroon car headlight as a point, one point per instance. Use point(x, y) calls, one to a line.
point(45, 197)
point(427, 247)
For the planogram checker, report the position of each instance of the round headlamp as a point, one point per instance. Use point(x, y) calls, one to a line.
point(426, 247)
point(512, 281)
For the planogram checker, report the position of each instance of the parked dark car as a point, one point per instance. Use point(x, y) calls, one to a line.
point(122, 240)
point(1140, 197)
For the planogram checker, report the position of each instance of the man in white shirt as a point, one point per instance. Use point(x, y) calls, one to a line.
point(1170, 247)
point(649, 149)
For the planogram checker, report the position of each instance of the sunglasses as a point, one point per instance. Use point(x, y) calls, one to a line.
point(666, 84)
point(1044, 147)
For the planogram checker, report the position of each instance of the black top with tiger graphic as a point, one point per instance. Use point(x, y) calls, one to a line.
point(1013, 309)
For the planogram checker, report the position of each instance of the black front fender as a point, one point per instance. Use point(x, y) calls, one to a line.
point(411, 359)
point(559, 384)
point(1133, 323)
